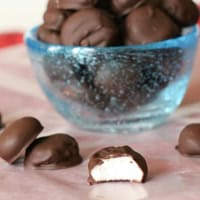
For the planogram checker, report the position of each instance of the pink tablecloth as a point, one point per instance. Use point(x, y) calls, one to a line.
point(171, 176)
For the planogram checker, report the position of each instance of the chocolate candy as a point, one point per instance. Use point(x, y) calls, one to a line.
point(113, 164)
point(185, 12)
point(189, 140)
point(149, 24)
point(71, 4)
point(138, 78)
point(93, 22)
point(17, 136)
point(124, 7)
point(53, 152)
point(53, 19)
point(49, 36)
point(75, 80)
point(89, 27)
point(129, 82)
point(118, 84)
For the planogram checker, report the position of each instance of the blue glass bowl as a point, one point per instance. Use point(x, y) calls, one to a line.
point(115, 89)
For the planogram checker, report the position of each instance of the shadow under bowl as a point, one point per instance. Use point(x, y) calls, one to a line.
point(115, 89)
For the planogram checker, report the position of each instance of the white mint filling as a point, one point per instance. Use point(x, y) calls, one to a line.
point(120, 168)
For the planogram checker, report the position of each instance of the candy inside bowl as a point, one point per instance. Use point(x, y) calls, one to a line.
point(115, 89)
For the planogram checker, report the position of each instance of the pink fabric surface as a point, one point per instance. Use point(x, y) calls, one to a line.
point(171, 176)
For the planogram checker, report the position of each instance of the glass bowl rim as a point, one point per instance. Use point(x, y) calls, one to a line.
point(34, 43)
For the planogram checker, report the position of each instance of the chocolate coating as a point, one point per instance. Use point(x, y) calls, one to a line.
point(189, 140)
point(148, 24)
point(116, 152)
point(124, 7)
point(71, 4)
point(17, 136)
point(185, 12)
point(53, 19)
point(48, 36)
point(80, 30)
point(53, 152)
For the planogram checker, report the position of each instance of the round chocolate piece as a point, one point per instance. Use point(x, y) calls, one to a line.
point(114, 164)
point(48, 36)
point(185, 12)
point(148, 24)
point(89, 27)
point(71, 4)
point(53, 152)
point(189, 140)
point(124, 7)
point(53, 19)
point(17, 136)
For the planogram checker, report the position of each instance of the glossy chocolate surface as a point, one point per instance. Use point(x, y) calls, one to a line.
point(185, 12)
point(53, 152)
point(124, 7)
point(148, 24)
point(71, 4)
point(53, 19)
point(102, 23)
point(115, 152)
point(189, 140)
point(80, 30)
point(17, 136)
point(48, 36)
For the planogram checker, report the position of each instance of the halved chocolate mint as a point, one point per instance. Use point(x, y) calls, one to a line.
point(53, 152)
point(114, 164)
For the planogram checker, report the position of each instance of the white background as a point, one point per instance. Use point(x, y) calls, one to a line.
point(20, 14)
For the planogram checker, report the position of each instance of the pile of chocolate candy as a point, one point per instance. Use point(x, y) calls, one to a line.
point(115, 22)
point(114, 88)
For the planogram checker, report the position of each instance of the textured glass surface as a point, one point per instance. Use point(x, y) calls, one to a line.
point(115, 89)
